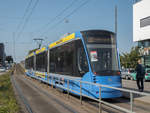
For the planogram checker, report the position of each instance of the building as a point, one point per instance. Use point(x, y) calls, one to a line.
point(141, 28)
point(2, 55)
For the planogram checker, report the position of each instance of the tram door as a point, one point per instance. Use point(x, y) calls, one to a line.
point(81, 65)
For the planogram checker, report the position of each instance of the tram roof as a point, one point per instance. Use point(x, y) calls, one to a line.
point(36, 52)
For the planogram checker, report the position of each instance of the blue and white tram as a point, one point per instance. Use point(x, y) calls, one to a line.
point(89, 56)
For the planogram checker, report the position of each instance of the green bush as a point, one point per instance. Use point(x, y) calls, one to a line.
point(8, 103)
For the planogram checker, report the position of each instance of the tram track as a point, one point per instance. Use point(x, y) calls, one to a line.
point(122, 102)
point(74, 98)
point(23, 99)
point(21, 79)
point(51, 97)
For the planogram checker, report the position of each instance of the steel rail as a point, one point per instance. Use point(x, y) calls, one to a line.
point(49, 95)
point(27, 106)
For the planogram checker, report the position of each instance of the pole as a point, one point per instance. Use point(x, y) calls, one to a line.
point(52, 81)
point(116, 21)
point(68, 88)
point(131, 101)
point(80, 93)
point(34, 63)
point(48, 56)
point(14, 52)
point(100, 103)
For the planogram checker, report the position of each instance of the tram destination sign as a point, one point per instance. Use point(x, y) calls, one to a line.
point(100, 40)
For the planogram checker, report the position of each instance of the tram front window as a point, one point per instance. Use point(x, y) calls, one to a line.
point(103, 58)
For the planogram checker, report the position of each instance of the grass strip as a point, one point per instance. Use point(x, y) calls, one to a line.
point(8, 103)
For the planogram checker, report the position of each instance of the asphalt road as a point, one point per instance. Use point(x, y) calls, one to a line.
point(129, 84)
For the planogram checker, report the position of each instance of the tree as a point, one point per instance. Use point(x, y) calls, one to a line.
point(129, 60)
point(9, 59)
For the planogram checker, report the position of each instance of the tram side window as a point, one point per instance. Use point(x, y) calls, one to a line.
point(29, 63)
point(32, 62)
point(37, 63)
point(69, 59)
point(44, 63)
point(61, 59)
point(67, 54)
point(41, 62)
point(52, 61)
point(26, 64)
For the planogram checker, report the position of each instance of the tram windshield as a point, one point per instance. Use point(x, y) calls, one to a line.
point(103, 59)
point(102, 52)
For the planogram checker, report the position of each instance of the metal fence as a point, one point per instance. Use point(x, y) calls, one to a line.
point(131, 92)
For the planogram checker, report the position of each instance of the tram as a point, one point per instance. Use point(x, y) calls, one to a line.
point(88, 56)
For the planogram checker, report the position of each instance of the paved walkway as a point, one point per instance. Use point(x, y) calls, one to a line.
point(129, 84)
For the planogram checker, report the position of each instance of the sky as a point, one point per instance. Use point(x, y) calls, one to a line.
point(21, 21)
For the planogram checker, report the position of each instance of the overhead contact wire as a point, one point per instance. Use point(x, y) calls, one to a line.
point(27, 19)
point(26, 11)
point(58, 16)
point(75, 10)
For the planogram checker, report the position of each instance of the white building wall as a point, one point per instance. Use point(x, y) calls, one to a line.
point(141, 10)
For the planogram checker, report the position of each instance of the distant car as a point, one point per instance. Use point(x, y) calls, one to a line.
point(124, 73)
point(147, 75)
point(132, 75)
point(2, 69)
point(127, 73)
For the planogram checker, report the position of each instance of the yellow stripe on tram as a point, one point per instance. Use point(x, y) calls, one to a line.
point(67, 38)
point(40, 50)
point(42, 75)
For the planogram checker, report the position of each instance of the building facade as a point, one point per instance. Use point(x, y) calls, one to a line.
point(2, 55)
point(141, 28)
